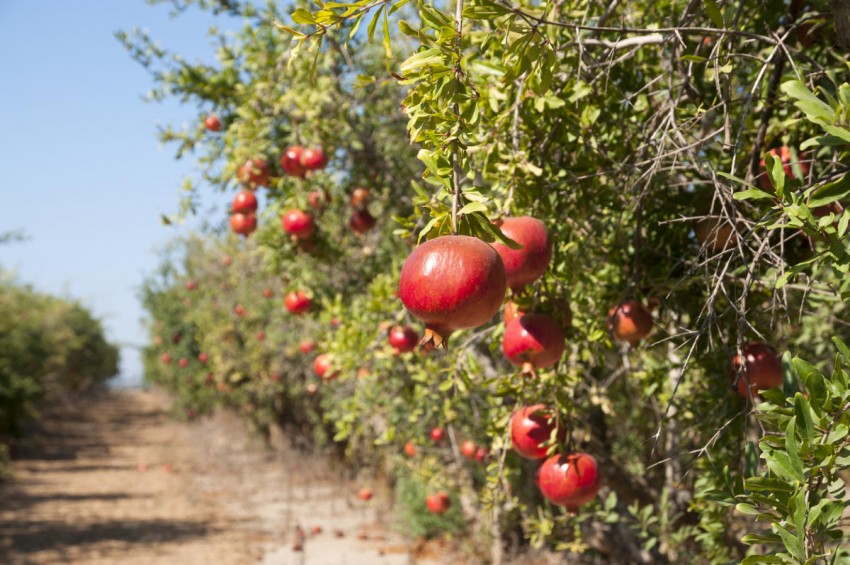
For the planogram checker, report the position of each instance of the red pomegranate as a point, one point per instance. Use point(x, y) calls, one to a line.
point(321, 364)
point(290, 161)
point(359, 197)
point(307, 346)
point(365, 494)
point(403, 338)
point(763, 367)
point(361, 221)
point(245, 202)
point(569, 480)
point(191, 285)
point(298, 223)
point(531, 431)
point(438, 503)
point(437, 434)
point(468, 449)
point(526, 265)
point(212, 123)
point(533, 341)
point(629, 321)
point(203, 358)
point(297, 302)
point(409, 449)
point(254, 172)
point(481, 454)
point(183, 362)
point(451, 283)
point(313, 159)
point(318, 198)
point(243, 224)
point(268, 293)
point(166, 358)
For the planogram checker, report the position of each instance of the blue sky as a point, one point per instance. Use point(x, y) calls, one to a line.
point(81, 170)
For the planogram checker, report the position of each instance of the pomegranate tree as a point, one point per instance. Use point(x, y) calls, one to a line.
point(526, 265)
point(569, 480)
point(531, 431)
point(403, 338)
point(629, 321)
point(298, 223)
point(452, 282)
point(533, 341)
point(763, 369)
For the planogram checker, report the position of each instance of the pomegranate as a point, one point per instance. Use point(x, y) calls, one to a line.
point(526, 265)
point(569, 480)
point(318, 198)
point(361, 221)
point(437, 434)
point(451, 283)
point(321, 364)
point(260, 335)
point(212, 123)
point(763, 368)
point(254, 172)
point(438, 503)
point(468, 449)
point(629, 321)
point(531, 431)
point(298, 223)
point(165, 358)
point(296, 302)
point(359, 197)
point(313, 159)
point(191, 285)
point(403, 338)
point(290, 161)
point(533, 341)
point(203, 358)
point(183, 362)
point(226, 260)
point(307, 346)
point(409, 449)
point(245, 202)
point(715, 233)
point(365, 494)
point(481, 454)
point(243, 224)
point(268, 293)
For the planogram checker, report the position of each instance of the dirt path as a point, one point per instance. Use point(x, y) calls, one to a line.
point(114, 480)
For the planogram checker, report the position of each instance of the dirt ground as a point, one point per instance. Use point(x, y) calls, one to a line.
point(112, 479)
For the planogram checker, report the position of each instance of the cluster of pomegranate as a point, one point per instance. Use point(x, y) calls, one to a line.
point(360, 221)
point(296, 161)
point(244, 218)
point(569, 480)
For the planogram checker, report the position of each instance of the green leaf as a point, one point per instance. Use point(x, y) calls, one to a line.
point(803, 415)
point(792, 448)
point(714, 13)
point(779, 462)
point(302, 16)
point(373, 23)
point(473, 207)
point(388, 50)
point(753, 194)
point(830, 192)
point(791, 542)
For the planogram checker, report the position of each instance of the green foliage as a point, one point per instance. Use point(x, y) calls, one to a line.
point(637, 132)
point(48, 346)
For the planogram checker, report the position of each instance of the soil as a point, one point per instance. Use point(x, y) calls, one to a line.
point(113, 479)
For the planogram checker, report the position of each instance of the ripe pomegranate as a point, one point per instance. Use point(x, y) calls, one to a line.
point(526, 265)
point(245, 202)
point(243, 224)
point(191, 285)
point(296, 302)
point(365, 494)
point(468, 449)
point(409, 449)
point(782, 153)
point(227, 260)
point(298, 223)
point(533, 341)
point(321, 364)
point(203, 358)
point(715, 233)
point(569, 480)
point(361, 221)
point(763, 367)
point(268, 293)
point(531, 430)
point(183, 362)
point(212, 123)
point(254, 172)
point(481, 454)
point(165, 358)
point(438, 503)
point(307, 346)
point(403, 338)
point(260, 335)
point(318, 198)
point(451, 283)
point(239, 310)
point(437, 434)
point(512, 312)
point(359, 197)
point(629, 321)
point(290, 161)
point(313, 159)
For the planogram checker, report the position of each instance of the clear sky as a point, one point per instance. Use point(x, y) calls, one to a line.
point(81, 170)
